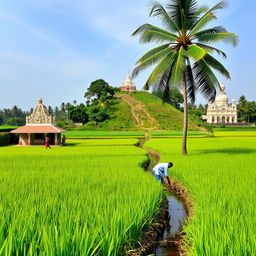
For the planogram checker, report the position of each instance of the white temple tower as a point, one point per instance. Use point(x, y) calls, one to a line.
point(220, 112)
point(128, 85)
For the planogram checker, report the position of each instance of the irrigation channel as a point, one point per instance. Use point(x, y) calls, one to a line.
point(169, 244)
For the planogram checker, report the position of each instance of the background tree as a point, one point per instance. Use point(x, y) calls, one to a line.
point(184, 59)
point(99, 88)
point(78, 114)
point(50, 110)
point(241, 108)
point(97, 113)
point(1, 118)
point(246, 110)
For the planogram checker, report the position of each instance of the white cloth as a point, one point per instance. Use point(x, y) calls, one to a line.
point(161, 169)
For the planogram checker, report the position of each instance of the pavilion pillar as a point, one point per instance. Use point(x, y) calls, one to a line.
point(56, 139)
point(29, 139)
point(20, 140)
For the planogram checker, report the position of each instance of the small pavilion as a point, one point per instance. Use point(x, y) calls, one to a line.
point(39, 125)
point(128, 85)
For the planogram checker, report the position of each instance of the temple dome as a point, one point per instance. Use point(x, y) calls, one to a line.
point(222, 97)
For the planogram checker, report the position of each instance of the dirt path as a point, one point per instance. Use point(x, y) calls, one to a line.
point(139, 112)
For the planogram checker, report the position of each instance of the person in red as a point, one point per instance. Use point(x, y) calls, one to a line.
point(47, 142)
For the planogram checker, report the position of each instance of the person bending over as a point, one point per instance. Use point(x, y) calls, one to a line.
point(161, 170)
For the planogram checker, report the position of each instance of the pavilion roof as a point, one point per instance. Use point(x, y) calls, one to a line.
point(36, 128)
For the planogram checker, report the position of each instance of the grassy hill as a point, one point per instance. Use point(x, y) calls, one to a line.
point(167, 116)
point(139, 111)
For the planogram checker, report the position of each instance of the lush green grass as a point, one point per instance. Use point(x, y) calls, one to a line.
point(220, 175)
point(103, 134)
point(130, 134)
point(168, 117)
point(235, 128)
point(3, 127)
point(235, 133)
point(82, 199)
point(177, 134)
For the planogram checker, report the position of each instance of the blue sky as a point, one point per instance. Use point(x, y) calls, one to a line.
point(54, 49)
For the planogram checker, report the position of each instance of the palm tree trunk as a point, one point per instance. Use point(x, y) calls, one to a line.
point(185, 122)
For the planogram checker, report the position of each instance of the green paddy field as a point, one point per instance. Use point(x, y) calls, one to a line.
point(92, 196)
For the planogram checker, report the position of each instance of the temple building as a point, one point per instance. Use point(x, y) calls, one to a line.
point(128, 85)
point(220, 111)
point(39, 125)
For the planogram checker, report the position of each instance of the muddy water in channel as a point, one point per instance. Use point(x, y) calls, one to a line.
point(168, 245)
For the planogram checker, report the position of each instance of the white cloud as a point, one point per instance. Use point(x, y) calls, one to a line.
point(117, 19)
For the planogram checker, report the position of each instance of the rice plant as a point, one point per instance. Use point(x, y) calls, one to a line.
point(85, 199)
point(220, 175)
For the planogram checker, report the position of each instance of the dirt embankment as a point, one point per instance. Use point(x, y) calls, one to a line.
point(141, 116)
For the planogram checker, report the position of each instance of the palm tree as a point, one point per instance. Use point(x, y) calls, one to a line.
point(184, 58)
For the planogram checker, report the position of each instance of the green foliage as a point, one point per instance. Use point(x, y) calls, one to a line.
point(97, 113)
point(220, 175)
point(246, 110)
point(99, 88)
point(78, 114)
point(87, 199)
point(12, 116)
point(5, 138)
point(15, 121)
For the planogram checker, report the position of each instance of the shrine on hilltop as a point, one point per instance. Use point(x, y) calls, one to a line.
point(39, 125)
point(128, 85)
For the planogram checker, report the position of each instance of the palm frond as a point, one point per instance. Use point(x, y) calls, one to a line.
point(219, 6)
point(212, 49)
point(159, 70)
point(150, 61)
point(201, 10)
point(153, 52)
point(206, 80)
point(164, 84)
point(196, 52)
point(159, 11)
point(178, 66)
point(214, 30)
point(217, 37)
point(207, 17)
point(183, 12)
point(155, 36)
point(215, 64)
point(148, 29)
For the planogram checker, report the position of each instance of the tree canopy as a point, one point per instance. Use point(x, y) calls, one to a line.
point(99, 88)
